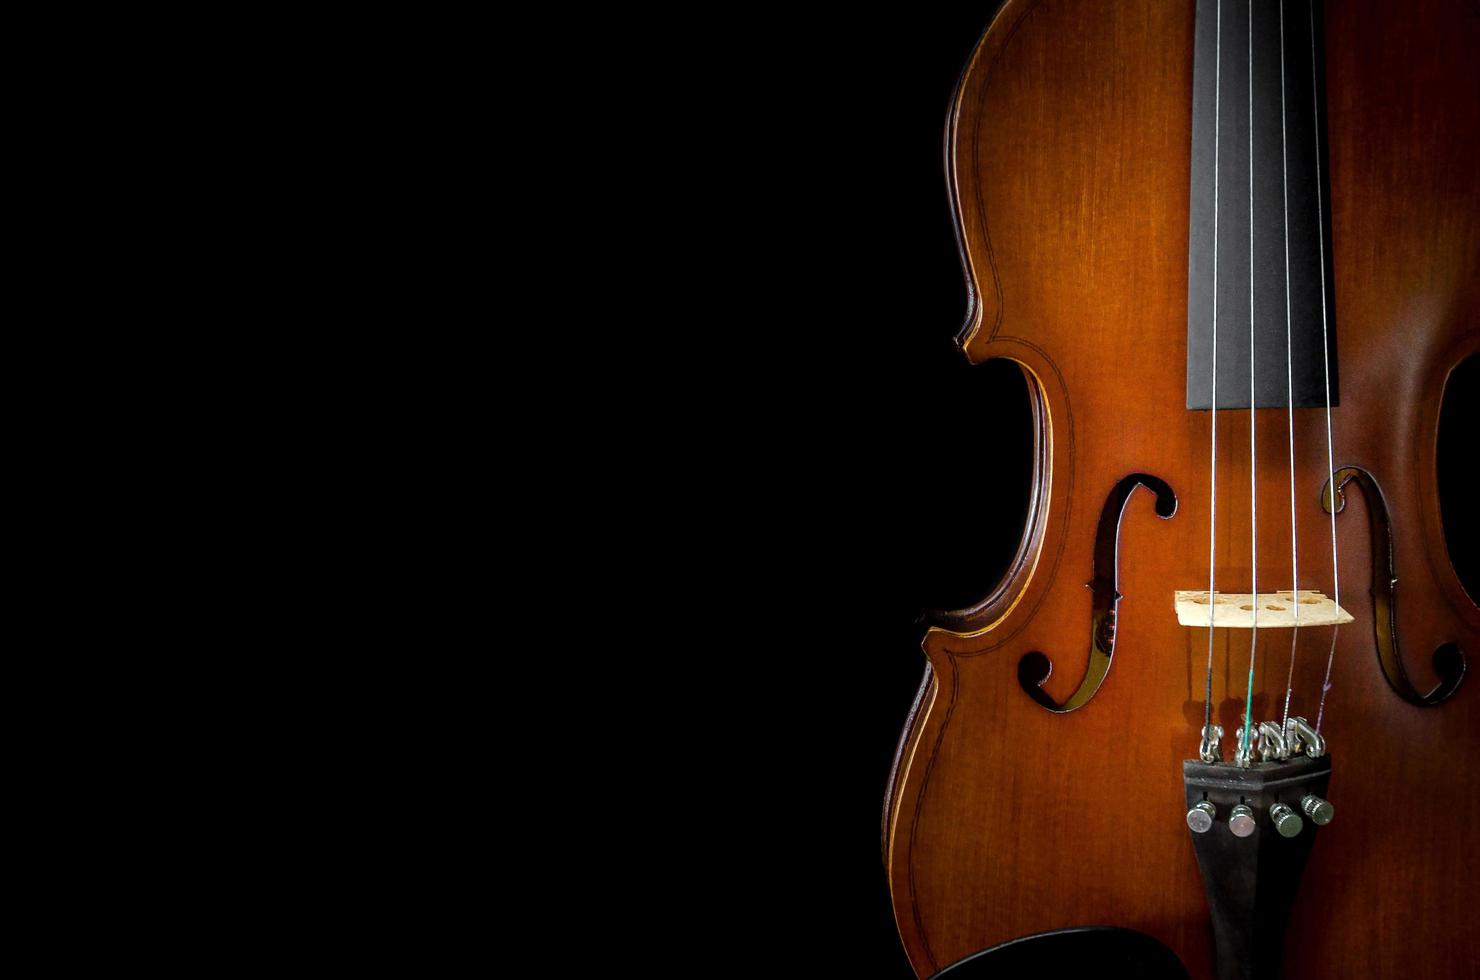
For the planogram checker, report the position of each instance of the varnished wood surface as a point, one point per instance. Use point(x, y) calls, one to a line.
point(1069, 154)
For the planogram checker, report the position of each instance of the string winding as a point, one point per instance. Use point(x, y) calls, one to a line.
point(1326, 364)
point(1289, 385)
point(1213, 411)
point(1253, 460)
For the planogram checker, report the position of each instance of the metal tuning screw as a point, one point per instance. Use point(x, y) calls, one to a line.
point(1200, 818)
point(1286, 820)
point(1211, 749)
point(1243, 756)
point(1320, 811)
point(1293, 742)
point(1315, 745)
point(1241, 821)
point(1272, 743)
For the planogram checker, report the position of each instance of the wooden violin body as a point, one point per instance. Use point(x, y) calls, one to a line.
point(1017, 807)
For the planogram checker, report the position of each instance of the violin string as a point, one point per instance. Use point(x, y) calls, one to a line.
point(1213, 410)
point(1289, 383)
point(1326, 363)
point(1253, 460)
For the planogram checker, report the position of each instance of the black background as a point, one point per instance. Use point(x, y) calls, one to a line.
point(867, 293)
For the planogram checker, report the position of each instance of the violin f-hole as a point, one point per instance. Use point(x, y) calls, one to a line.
point(1034, 668)
point(1449, 658)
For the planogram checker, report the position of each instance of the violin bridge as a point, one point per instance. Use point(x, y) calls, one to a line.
point(1277, 610)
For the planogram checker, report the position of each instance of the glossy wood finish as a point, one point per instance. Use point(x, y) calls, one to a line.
point(1068, 151)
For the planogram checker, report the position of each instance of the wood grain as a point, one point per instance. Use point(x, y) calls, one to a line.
point(1069, 154)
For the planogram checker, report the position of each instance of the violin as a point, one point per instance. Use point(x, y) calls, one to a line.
point(1221, 696)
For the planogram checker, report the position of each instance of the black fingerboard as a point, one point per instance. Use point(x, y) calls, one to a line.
point(1290, 208)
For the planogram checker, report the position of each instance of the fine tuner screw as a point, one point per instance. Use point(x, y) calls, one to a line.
point(1200, 818)
point(1320, 811)
point(1210, 750)
point(1286, 821)
point(1241, 821)
point(1299, 733)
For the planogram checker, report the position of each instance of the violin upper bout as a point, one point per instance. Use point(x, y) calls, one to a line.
point(1052, 222)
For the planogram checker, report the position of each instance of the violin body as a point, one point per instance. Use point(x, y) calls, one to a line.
point(1068, 156)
